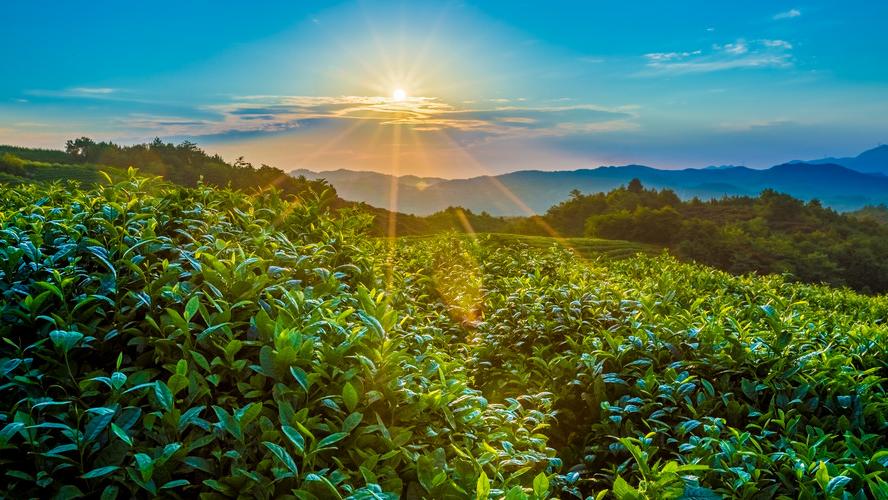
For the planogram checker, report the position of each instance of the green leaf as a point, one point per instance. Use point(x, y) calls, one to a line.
point(331, 491)
point(10, 430)
point(68, 492)
point(482, 487)
point(110, 493)
point(65, 340)
point(623, 491)
point(699, 493)
point(248, 413)
point(300, 376)
point(373, 323)
point(282, 455)
point(146, 466)
point(332, 438)
point(822, 475)
point(541, 485)
point(229, 423)
point(516, 493)
point(350, 396)
point(191, 307)
point(295, 437)
point(121, 434)
point(98, 423)
point(118, 379)
point(425, 472)
point(352, 421)
point(164, 395)
point(216, 485)
point(101, 471)
point(189, 416)
point(836, 484)
point(175, 484)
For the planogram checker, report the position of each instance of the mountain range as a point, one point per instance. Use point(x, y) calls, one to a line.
point(871, 161)
point(841, 183)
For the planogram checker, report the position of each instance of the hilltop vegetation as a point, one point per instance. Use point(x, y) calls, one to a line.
point(183, 163)
point(176, 341)
point(877, 213)
point(770, 233)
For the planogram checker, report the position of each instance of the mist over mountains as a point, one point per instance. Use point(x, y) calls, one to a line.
point(841, 183)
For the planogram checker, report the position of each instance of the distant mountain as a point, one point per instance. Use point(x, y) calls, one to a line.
point(873, 161)
point(533, 191)
point(369, 187)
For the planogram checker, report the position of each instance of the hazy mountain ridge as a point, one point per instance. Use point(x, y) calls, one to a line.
point(534, 191)
point(874, 161)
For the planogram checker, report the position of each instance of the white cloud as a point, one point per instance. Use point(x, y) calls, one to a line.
point(82, 92)
point(738, 54)
point(93, 90)
point(791, 13)
point(736, 48)
point(670, 56)
point(782, 44)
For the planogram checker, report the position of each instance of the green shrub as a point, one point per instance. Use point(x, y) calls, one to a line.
point(160, 340)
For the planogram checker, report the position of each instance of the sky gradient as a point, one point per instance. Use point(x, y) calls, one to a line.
point(491, 86)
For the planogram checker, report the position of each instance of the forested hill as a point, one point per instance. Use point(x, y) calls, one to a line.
point(186, 164)
point(183, 163)
point(770, 233)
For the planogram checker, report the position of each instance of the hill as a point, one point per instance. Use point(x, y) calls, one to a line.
point(162, 340)
point(768, 233)
point(183, 163)
point(871, 161)
point(186, 164)
point(525, 192)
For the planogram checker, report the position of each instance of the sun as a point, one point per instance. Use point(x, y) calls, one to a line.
point(399, 95)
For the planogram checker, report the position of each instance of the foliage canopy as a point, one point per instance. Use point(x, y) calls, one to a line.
point(169, 340)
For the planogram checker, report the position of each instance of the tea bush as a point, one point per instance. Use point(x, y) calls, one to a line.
point(167, 341)
point(160, 340)
point(667, 379)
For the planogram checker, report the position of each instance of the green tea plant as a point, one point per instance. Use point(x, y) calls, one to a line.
point(669, 380)
point(160, 340)
point(166, 341)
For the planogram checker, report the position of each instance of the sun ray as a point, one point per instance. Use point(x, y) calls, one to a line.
point(334, 141)
point(498, 185)
point(392, 229)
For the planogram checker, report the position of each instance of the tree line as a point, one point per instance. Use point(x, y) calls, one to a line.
point(769, 233)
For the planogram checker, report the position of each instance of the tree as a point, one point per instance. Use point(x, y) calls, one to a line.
point(635, 186)
point(80, 148)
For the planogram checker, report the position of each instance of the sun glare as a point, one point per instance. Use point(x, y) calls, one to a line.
point(399, 95)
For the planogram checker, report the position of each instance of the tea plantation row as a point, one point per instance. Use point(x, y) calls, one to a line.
point(170, 341)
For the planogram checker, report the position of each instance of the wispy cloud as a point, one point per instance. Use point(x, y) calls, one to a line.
point(93, 90)
point(76, 92)
point(504, 117)
point(789, 14)
point(734, 55)
point(670, 56)
point(737, 48)
point(782, 44)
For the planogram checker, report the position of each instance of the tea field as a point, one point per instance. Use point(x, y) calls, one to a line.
point(160, 340)
point(584, 248)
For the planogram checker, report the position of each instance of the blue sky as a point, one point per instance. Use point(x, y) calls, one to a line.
point(491, 86)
